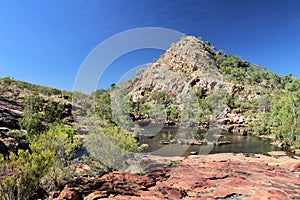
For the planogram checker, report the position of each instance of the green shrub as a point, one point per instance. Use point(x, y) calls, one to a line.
point(111, 147)
point(16, 134)
point(49, 160)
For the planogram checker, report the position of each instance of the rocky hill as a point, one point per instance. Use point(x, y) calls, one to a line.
point(187, 64)
point(192, 84)
point(192, 67)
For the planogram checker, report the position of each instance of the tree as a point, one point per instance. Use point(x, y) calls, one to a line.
point(285, 114)
point(6, 81)
point(52, 111)
point(102, 104)
point(32, 120)
point(113, 85)
point(195, 108)
point(121, 106)
point(294, 85)
point(39, 114)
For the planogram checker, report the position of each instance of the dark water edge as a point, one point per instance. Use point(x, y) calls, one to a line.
point(239, 144)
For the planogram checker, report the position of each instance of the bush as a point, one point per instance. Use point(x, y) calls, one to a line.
point(111, 147)
point(51, 154)
point(16, 134)
point(6, 81)
point(40, 114)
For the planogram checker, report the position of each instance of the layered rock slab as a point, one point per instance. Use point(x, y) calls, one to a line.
point(217, 176)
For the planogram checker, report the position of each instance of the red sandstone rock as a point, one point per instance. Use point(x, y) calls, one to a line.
point(69, 193)
point(96, 195)
point(170, 192)
point(199, 177)
point(269, 194)
point(158, 175)
point(295, 167)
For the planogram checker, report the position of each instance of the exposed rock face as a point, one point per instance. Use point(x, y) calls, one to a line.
point(10, 112)
point(189, 55)
point(188, 63)
point(217, 176)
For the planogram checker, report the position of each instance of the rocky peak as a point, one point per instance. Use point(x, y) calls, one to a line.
point(186, 64)
point(189, 55)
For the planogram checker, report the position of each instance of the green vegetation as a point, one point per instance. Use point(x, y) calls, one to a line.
point(102, 105)
point(117, 148)
point(33, 88)
point(196, 109)
point(277, 110)
point(285, 115)
point(46, 168)
point(281, 116)
point(241, 72)
point(44, 165)
point(40, 114)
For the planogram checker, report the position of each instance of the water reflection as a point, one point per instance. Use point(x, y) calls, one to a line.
point(238, 144)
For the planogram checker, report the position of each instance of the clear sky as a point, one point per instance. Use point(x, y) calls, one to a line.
point(45, 42)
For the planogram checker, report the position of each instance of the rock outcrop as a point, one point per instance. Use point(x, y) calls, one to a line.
point(216, 176)
point(11, 110)
point(10, 113)
point(189, 55)
point(186, 64)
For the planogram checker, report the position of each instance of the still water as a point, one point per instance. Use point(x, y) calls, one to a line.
point(238, 144)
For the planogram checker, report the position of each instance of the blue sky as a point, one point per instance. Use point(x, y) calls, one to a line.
point(45, 42)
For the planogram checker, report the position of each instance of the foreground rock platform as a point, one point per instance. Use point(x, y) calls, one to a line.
point(216, 176)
